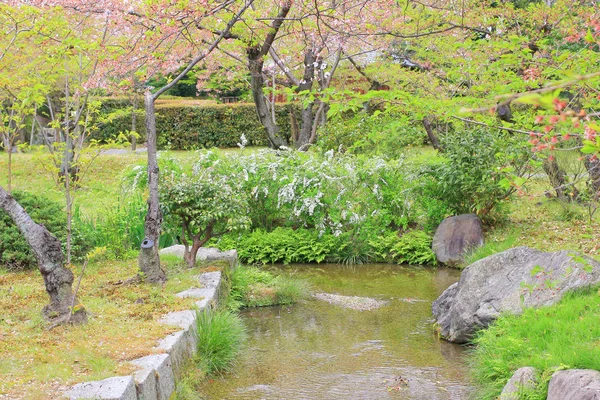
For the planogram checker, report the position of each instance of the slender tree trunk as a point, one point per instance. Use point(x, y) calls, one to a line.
point(9, 148)
point(310, 59)
point(256, 55)
point(134, 122)
point(295, 129)
point(148, 260)
point(257, 81)
point(558, 180)
point(593, 168)
point(306, 128)
point(190, 253)
point(48, 252)
point(431, 134)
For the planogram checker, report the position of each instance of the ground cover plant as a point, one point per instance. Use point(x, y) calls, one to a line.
point(562, 336)
point(256, 287)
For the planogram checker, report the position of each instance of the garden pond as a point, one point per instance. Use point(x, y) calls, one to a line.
point(318, 350)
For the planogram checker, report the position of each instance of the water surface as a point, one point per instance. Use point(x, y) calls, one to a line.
point(315, 350)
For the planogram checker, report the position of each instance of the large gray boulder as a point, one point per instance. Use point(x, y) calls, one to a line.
point(524, 378)
point(509, 282)
point(574, 384)
point(455, 236)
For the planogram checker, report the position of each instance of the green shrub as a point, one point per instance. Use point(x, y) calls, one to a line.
point(15, 254)
point(254, 287)
point(549, 338)
point(194, 127)
point(413, 247)
point(477, 170)
point(282, 245)
point(221, 335)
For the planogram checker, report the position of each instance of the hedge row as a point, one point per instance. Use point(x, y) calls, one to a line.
point(195, 127)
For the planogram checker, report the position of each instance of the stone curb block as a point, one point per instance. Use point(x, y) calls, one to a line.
point(156, 378)
point(116, 388)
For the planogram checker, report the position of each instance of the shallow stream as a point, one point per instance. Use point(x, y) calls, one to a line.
point(317, 350)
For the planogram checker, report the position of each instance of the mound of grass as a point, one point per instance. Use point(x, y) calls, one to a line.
point(221, 335)
point(489, 248)
point(566, 335)
point(254, 287)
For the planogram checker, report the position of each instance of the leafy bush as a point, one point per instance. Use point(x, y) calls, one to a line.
point(193, 127)
point(282, 245)
point(203, 205)
point(413, 247)
point(221, 335)
point(477, 170)
point(549, 338)
point(15, 254)
point(254, 287)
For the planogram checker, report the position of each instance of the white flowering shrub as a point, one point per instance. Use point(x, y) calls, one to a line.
point(332, 193)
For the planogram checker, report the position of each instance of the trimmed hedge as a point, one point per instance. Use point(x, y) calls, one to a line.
point(196, 127)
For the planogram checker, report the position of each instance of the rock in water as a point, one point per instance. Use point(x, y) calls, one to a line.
point(455, 236)
point(508, 282)
point(575, 384)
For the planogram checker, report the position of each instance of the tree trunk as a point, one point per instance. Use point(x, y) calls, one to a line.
point(48, 252)
point(190, 253)
point(134, 122)
point(148, 260)
point(431, 135)
point(255, 65)
point(9, 149)
point(306, 128)
point(558, 180)
point(310, 59)
point(295, 129)
point(593, 168)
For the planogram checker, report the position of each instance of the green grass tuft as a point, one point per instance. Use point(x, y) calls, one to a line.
point(221, 335)
point(488, 249)
point(254, 287)
point(566, 335)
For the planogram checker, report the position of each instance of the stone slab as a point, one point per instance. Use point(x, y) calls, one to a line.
point(181, 346)
point(155, 380)
point(182, 319)
point(116, 388)
point(196, 293)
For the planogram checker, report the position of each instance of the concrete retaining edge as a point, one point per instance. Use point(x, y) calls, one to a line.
point(155, 380)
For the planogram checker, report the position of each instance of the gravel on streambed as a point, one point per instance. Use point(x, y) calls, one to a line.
point(352, 302)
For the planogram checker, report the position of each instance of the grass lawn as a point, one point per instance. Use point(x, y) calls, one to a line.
point(563, 336)
point(37, 363)
point(101, 185)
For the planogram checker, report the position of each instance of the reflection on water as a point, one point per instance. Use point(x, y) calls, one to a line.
point(315, 350)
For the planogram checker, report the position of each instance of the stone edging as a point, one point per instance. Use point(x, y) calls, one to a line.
point(155, 380)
